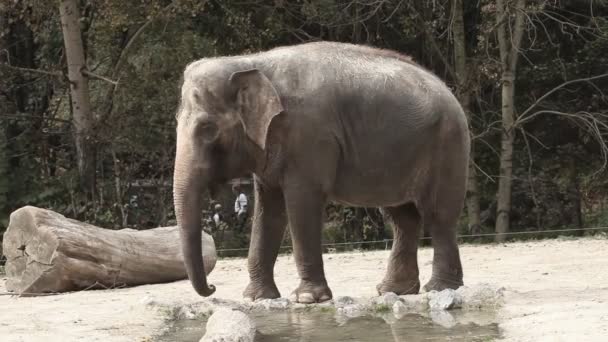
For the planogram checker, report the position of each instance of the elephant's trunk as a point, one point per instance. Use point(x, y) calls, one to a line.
point(187, 186)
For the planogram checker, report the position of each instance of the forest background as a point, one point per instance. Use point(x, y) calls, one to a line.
point(95, 141)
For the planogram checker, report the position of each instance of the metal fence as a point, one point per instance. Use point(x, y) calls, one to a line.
point(387, 243)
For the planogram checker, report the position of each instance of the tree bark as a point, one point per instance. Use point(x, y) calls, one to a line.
point(464, 96)
point(47, 252)
point(79, 92)
point(508, 43)
point(4, 167)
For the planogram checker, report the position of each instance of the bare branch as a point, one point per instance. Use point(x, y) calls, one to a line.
point(20, 116)
point(490, 178)
point(121, 60)
point(423, 25)
point(38, 71)
point(522, 117)
point(597, 128)
point(99, 77)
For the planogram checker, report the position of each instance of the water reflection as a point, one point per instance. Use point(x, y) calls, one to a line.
point(324, 326)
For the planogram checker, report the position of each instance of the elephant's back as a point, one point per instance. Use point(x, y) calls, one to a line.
point(357, 76)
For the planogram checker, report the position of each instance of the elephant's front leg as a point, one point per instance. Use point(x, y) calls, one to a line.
point(305, 204)
point(269, 221)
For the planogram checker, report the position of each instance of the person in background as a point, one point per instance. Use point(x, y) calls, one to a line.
point(240, 207)
point(217, 216)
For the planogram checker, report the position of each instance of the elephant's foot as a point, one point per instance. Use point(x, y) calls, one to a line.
point(438, 283)
point(311, 292)
point(259, 290)
point(399, 287)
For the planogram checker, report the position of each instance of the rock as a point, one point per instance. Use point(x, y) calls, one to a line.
point(388, 299)
point(343, 301)
point(418, 302)
point(352, 310)
point(444, 300)
point(273, 304)
point(481, 296)
point(227, 325)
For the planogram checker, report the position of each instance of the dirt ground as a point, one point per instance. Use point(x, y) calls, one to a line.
point(556, 290)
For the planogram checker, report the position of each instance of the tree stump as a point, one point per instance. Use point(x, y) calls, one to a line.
point(47, 252)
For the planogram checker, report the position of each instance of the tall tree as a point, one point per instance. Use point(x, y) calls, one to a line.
point(509, 41)
point(464, 96)
point(79, 90)
point(3, 124)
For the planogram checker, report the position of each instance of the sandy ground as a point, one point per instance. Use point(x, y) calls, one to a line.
point(556, 290)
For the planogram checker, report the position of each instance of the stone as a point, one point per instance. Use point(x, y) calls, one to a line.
point(444, 300)
point(342, 301)
point(481, 296)
point(387, 299)
point(352, 310)
point(227, 325)
point(416, 303)
point(275, 304)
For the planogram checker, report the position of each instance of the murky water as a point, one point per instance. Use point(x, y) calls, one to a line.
point(325, 326)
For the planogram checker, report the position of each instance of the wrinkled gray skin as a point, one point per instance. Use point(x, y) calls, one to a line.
point(323, 122)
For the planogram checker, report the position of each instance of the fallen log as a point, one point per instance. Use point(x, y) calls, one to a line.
point(47, 252)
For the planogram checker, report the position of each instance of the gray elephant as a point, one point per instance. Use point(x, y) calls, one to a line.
point(321, 122)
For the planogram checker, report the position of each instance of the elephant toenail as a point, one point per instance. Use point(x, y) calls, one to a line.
point(324, 298)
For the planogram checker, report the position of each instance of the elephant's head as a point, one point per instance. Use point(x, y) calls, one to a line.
point(222, 127)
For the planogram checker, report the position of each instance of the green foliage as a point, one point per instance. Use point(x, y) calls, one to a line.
point(382, 308)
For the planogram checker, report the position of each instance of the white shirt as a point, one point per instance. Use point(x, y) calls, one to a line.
point(240, 204)
point(216, 219)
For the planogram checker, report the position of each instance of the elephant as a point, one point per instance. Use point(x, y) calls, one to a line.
point(319, 122)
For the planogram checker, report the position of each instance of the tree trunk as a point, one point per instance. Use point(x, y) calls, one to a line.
point(47, 252)
point(4, 167)
point(79, 93)
point(506, 159)
point(508, 43)
point(4, 176)
point(463, 94)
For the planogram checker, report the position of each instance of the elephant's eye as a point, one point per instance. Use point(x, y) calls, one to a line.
point(208, 131)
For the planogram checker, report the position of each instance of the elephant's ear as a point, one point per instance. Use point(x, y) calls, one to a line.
point(258, 103)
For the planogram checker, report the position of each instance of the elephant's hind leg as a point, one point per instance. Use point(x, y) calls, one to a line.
point(402, 271)
point(447, 269)
point(441, 214)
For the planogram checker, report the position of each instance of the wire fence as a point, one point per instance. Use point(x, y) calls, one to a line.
point(386, 243)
